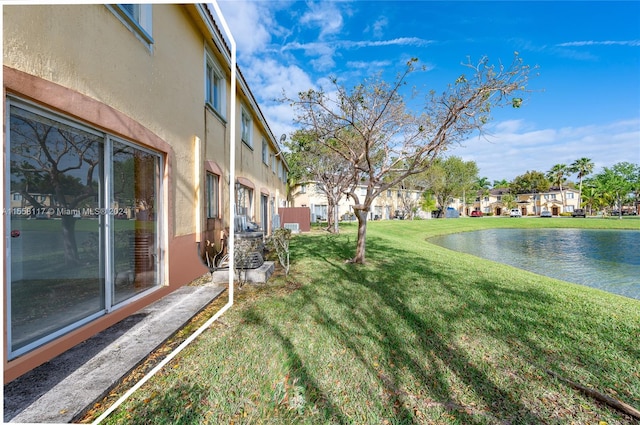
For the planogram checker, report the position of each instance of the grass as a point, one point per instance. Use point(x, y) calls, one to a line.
point(419, 334)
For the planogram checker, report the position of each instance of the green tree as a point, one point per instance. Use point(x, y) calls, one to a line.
point(557, 175)
point(482, 186)
point(618, 181)
point(530, 182)
point(500, 183)
point(451, 178)
point(482, 183)
point(589, 198)
point(371, 127)
point(582, 167)
point(315, 162)
point(509, 200)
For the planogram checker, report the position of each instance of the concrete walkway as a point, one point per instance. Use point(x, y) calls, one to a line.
point(65, 387)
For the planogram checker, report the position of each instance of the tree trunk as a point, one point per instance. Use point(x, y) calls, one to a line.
point(361, 215)
point(69, 240)
point(330, 217)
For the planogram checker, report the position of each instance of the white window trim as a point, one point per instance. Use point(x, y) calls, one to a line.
point(220, 109)
point(245, 113)
point(216, 198)
point(142, 28)
point(265, 152)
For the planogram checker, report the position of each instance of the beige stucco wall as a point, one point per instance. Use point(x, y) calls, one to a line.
point(87, 49)
point(81, 61)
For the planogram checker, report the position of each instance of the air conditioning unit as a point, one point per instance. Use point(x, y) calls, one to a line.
point(294, 227)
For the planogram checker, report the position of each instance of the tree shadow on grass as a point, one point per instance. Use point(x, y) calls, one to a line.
point(430, 350)
point(432, 356)
point(184, 404)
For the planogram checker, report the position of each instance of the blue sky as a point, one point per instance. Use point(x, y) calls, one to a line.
point(585, 102)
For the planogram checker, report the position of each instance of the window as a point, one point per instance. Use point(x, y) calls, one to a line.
point(273, 164)
point(319, 213)
point(214, 85)
point(265, 152)
point(570, 195)
point(246, 125)
point(137, 18)
point(244, 200)
point(303, 188)
point(69, 272)
point(213, 199)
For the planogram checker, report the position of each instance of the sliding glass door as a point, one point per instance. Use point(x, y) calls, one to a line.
point(83, 224)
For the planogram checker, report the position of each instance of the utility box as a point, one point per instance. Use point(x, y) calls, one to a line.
point(290, 216)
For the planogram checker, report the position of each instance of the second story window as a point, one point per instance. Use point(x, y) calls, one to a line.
point(265, 152)
point(246, 124)
point(214, 85)
point(138, 18)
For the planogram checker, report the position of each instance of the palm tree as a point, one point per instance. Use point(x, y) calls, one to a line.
point(590, 197)
point(482, 185)
point(500, 183)
point(583, 167)
point(557, 176)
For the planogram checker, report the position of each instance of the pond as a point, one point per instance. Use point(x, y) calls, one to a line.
point(603, 259)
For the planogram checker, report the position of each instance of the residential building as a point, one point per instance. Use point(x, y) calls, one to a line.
point(494, 202)
point(117, 135)
point(390, 204)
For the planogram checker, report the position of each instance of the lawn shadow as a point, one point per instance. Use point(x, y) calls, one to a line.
point(431, 359)
point(185, 404)
point(383, 302)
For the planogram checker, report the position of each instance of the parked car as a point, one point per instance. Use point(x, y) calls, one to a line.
point(579, 212)
point(476, 213)
point(546, 214)
point(515, 213)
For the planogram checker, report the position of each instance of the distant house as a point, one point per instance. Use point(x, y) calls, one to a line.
point(117, 124)
point(494, 202)
point(390, 204)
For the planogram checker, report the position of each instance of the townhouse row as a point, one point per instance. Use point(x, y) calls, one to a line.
point(408, 203)
point(117, 130)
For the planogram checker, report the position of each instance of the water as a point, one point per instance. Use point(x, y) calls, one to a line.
point(604, 259)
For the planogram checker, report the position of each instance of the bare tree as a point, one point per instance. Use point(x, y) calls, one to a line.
point(372, 129)
point(59, 161)
point(313, 161)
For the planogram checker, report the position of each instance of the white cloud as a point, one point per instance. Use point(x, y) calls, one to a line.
point(377, 28)
point(632, 43)
point(515, 148)
point(368, 64)
point(271, 78)
point(249, 23)
point(324, 15)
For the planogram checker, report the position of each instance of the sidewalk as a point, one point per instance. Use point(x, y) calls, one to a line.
point(65, 387)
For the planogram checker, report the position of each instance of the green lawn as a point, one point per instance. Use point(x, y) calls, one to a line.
point(419, 334)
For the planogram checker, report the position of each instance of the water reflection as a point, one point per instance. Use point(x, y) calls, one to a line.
point(604, 259)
